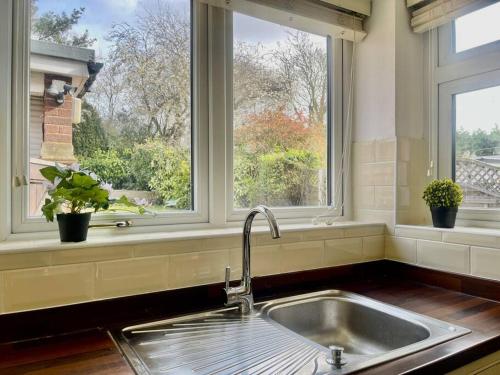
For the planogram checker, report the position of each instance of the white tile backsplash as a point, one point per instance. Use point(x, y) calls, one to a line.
point(485, 262)
point(373, 247)
point(302, 256)
point(343, 251)
point(470, 239)
point(197, 268)
point(468, 251)
point(49, 286)
point(401, 249)
point(131, 276)
point(68, 276)
point(443, 256)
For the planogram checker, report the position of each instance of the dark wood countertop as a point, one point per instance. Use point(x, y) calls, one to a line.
point(93, 352)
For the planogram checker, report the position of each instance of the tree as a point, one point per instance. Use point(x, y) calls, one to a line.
point(89, 136)
point(277, 160)
point(303, 69)
point(57, 28)
point(477, 142)
point(269, 130)
point(257, 86)
point(148, 75)
point(279, 178)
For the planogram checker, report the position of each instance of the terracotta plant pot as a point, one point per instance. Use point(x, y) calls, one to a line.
point(444, 217)
point(73, 227)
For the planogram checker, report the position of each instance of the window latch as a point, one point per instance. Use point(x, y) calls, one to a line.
point(20, 181)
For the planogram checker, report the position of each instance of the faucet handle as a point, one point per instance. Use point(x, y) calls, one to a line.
point(228, 277)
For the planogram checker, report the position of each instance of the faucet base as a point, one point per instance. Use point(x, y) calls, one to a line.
point(244, 302)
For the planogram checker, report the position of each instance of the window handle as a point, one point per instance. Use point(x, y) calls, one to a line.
point(117, 224)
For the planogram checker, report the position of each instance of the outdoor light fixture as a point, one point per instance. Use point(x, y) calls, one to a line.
point(58, 89)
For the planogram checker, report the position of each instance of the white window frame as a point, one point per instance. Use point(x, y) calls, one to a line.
point(20, 123)
point(212, 127)
point(452, 73)
point(336, 68)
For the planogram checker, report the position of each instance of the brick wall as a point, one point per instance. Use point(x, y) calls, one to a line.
point(57, 125)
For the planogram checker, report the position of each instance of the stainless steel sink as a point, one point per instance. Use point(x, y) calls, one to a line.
point(284, 336)
point(359, 328)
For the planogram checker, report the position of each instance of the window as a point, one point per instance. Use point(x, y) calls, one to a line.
point(468, 83)
point(477, 146)
point(280, 121)
point(155, 96)
point(477, 28)
point(110, 89)
point(126, 112)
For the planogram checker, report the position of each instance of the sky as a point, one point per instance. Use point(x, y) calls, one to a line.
point(478, 109)
point(477, 28)
point(101, 14)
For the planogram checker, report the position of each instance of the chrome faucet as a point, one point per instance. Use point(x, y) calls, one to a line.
point(242, 294)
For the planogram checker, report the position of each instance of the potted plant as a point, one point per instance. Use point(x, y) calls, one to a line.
point(74, 194)
point(443, 196)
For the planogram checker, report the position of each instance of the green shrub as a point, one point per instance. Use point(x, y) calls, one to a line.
point(279, 178)
point(89, 135)
point(443, 193)
point(246, 173)
point(172, 174)
point(111, 166)
point(141, 165)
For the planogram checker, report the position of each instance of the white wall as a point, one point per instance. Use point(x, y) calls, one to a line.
point(374, 90)
point(409, 68)
point(389, 118)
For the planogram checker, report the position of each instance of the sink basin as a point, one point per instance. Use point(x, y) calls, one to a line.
point(358, 328)
point(283, 336)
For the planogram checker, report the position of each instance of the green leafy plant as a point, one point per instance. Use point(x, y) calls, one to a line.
point(276, 178)
point(443, 193)
point(72, 190)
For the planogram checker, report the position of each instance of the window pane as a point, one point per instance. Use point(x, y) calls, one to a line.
point(477, 146)
point(477, 28)
point(126, 110)
point(279, 115)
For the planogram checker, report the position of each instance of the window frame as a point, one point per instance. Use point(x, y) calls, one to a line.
point(21, 222)
point(451, 73)
point(211, 57)
point(335, 125)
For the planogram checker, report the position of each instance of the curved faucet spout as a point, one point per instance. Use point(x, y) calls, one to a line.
point(261, 209)
point(242, 294)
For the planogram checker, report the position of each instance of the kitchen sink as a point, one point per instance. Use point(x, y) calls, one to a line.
point(294, 335)
point(358, 328)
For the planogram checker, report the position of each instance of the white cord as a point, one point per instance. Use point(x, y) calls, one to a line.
point(345, 165)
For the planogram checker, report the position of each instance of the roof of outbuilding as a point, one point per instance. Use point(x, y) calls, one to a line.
point(79, 54)
point(40, 47)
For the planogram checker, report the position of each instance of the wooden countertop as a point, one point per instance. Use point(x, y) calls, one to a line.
point(93, 352)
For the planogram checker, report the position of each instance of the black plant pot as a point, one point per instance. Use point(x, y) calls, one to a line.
point(444, 217)
point(73, 227)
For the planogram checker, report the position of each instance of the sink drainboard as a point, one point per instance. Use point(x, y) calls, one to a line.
point(294, 342)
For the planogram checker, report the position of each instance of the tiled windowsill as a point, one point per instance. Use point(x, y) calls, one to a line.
point(101, 238)
point(474, 236)
point(463, 250)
